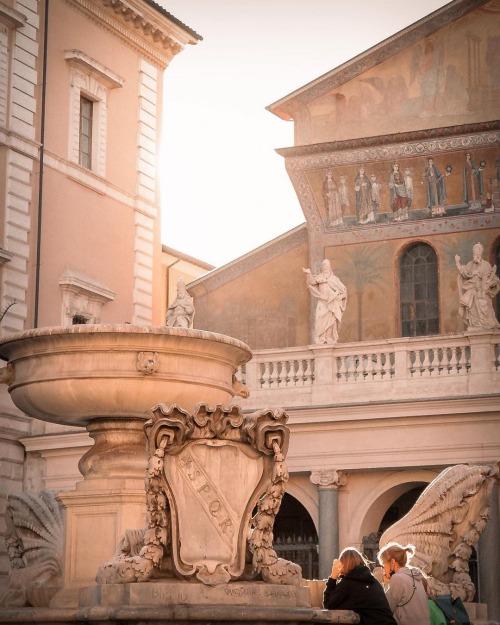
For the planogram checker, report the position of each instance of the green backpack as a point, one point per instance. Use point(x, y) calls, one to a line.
point(453, 610)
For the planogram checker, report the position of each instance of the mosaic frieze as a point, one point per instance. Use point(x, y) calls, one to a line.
point(392, 184)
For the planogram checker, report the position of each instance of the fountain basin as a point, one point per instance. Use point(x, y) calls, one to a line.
point(73, 375)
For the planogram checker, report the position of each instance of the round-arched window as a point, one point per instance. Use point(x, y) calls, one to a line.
point(419, 291)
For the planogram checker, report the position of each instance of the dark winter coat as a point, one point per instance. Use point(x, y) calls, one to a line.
point(361, 592)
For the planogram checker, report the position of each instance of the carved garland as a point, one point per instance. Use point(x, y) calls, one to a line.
point(141, 554)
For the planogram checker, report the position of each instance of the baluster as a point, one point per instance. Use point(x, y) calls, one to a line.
point(467, 359)
point(453, 364)
point(349, 367)
point(290, 378)
point(274, 375)
point(460, 361)
point(426, 363)
point(383, 362)
point(364, 364)
point(308, 373)
point(342, 369)
point(266, 375)
point(374, 365)
point(439, 357)
point(392, 364)
point(300, 374)
point(412, 362)
point(285, 367)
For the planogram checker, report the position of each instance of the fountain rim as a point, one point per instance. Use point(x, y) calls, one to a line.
point(124, 328)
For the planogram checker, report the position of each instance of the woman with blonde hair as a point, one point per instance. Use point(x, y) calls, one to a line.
point(407, 595)
point(352, 586)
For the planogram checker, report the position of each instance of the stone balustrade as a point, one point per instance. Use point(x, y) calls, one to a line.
point(439, 366)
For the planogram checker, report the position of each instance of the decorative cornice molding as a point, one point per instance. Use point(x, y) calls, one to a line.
point(132, 33)
point(329, 478)
point(435, 137)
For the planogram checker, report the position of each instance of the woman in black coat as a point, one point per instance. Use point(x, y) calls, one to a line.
point(351, 586)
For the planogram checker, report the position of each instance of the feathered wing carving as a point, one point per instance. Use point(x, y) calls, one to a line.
point(34, 540)
point(445, 524)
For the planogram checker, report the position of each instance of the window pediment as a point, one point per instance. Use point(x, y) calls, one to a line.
point(88, 65)
point(11, 17)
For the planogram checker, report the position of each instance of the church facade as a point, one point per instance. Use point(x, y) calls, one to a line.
point(395, 163)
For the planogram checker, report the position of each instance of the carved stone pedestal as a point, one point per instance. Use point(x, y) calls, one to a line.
point(178, 615)
point(178, 592)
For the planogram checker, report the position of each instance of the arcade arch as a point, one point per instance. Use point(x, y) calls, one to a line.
point(372, 505)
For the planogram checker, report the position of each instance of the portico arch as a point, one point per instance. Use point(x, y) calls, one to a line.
point(372, 506)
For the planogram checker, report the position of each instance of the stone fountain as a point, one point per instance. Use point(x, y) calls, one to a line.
point(195, 543)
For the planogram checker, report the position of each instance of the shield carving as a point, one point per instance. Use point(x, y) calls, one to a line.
point(214, 486)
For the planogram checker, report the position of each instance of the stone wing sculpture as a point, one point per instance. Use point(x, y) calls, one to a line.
point(445, 524)
point(34, 541)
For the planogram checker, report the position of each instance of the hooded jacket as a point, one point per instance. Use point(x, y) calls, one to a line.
point(407, 597)
point(361, 592)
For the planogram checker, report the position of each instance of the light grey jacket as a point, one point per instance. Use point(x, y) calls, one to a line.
point(407, 597)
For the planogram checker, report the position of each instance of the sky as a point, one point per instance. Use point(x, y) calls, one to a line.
point(225, 190)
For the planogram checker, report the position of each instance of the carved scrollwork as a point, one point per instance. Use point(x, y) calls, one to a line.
point(260, 541)
point(189, 474)
point(329, 478)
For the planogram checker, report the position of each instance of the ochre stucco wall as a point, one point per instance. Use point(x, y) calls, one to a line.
point(371, 275)
point(268, 306)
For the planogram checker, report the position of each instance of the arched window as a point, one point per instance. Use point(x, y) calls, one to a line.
point(419, 291)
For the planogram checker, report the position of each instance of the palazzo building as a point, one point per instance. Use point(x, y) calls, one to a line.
point(81, 97)
point(396, 165)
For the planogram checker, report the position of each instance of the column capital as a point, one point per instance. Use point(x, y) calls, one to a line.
point(328, 478)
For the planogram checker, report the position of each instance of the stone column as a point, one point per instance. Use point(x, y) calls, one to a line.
point(489, 557)
point(328, 482)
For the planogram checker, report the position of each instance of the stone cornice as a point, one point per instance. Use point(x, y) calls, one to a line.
point(446, 410)
point(160, 40)
point(11, 17)
point(434, 137)
point(52, 442)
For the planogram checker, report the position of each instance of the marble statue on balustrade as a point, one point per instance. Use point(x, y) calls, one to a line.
point(331, 296)
point(478, 285)
point(445, 524)
point(180, 313)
